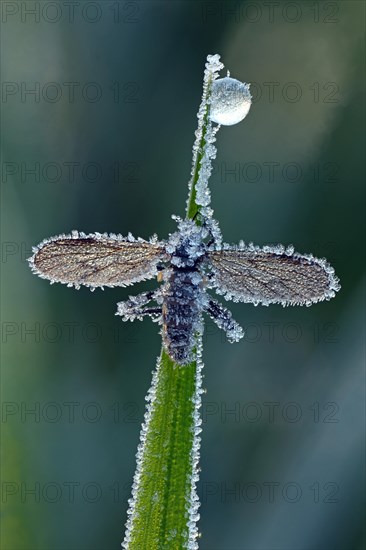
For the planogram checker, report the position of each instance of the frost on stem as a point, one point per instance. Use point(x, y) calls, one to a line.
point(193, 499)
point(204, 150)
point(147, 453)
point(132, 502)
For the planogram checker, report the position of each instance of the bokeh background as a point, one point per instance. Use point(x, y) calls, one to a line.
point(104, 144)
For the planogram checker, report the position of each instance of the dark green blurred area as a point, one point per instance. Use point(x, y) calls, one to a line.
point(282, 445)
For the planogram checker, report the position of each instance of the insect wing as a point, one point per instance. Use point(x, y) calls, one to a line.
point(96, 260)
point(271, 275)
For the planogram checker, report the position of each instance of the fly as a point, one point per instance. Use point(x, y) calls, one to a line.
point(190, 262)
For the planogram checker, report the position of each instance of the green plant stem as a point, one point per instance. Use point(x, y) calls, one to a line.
point(161, 516)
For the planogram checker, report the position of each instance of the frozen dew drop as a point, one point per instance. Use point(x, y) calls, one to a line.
point(230, 101)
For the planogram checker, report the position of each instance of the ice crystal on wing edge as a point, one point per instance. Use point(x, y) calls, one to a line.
point(192, 496)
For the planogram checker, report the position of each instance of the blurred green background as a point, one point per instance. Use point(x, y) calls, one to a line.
point(104, 144)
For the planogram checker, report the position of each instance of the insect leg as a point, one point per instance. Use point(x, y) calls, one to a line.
point(224, 320)
point(214, 232)
point(134, 307)
point(154, 312)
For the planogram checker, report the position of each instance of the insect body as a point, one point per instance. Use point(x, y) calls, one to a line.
point(190, 264)
point(181, 310)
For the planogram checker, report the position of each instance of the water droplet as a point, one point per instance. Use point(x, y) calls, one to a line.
point(230, 101)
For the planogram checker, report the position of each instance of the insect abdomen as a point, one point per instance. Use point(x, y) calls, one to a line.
point(181, 313)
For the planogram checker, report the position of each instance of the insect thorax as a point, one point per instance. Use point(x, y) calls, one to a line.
point(186, 246)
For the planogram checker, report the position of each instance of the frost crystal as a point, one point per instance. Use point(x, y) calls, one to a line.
point(193, 500)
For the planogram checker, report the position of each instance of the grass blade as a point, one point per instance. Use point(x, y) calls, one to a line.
point(163, 510)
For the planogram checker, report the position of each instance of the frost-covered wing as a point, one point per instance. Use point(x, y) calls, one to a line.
point(271, 275)
point(96, 260)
